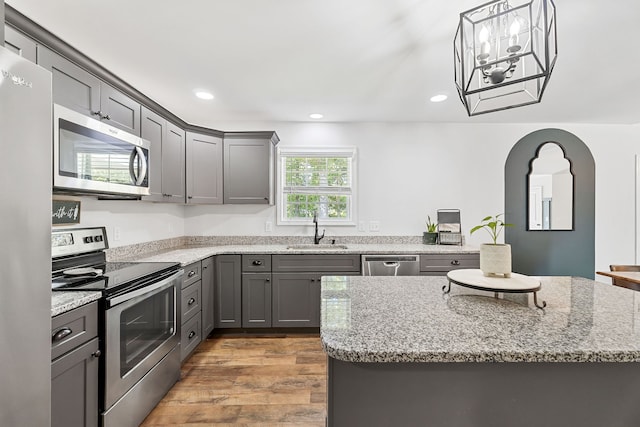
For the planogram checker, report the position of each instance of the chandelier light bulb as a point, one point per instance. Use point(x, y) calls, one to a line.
point(485, 46)
point(514, 38)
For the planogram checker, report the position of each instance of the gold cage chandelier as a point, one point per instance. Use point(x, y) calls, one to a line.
point(504, 52)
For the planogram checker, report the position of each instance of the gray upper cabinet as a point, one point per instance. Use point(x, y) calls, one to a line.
point(166, 158)
point(19, 43)
point(73, 87)
point(81, 91)
point(249, 167)
point(204, 169)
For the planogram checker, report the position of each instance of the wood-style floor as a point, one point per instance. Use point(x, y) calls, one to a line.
point(248, 381)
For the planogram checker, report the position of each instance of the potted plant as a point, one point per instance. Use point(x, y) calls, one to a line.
point(495, 258)
point(430, 237)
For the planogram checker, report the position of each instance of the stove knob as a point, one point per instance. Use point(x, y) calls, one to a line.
point(88, 239)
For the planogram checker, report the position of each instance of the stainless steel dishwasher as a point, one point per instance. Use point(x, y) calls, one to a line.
point(390, 265)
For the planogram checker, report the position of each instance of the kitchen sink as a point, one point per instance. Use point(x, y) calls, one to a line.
point(316, 247)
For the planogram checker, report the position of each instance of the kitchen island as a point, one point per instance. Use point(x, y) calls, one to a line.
point(401, 352)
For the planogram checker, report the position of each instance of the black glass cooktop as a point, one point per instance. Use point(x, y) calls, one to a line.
point(109, 276)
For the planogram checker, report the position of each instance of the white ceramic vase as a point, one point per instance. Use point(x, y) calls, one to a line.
point(495, 260)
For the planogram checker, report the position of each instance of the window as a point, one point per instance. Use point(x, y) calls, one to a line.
point(316, 180)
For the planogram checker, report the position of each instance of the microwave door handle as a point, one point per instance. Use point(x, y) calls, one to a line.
point(139, 154)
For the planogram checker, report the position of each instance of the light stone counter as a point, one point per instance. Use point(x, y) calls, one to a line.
point(409, 319)
point(63, 301)
point(191, 253)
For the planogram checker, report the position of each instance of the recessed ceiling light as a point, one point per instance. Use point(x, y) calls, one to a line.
point(438, 98)
point(204, 94)
point(316, 116)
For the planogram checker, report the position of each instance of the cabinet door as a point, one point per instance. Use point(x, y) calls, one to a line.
point(296, 300)
point(20, 44)
point(153, 130)
point(173, 152)
point(207, 296)
point(73, 87)
point(247, 171)
point(74, 387)
point(204, 169)
point(119, 110)
point(228, 292)
point(256, 300)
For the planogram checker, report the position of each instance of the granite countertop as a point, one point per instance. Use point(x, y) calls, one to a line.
point(63, 301)
point(409, 319)
point(188, 254)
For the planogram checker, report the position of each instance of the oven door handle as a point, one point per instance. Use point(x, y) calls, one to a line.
point(158, 286)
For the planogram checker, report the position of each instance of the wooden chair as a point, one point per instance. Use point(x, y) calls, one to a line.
point(625, 283)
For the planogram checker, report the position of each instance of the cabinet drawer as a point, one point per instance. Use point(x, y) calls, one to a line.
point(191, 336)
point(316, 263)
point(447, 262)
point(192, 273)
point(73, 328)
point(256, 263)
point(191, 300)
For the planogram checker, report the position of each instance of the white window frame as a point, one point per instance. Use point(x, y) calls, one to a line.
point(350, 152)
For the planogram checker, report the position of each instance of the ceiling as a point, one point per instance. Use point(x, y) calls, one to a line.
point(356, 60)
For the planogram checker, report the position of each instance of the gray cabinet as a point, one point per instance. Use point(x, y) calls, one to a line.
point(191, 309)
point(296, 286)
point(166, 158)
point(256, 300)
point(208, 278)
point(74, 367)
point(441, 264)
point(228, 292)
point(76, 88)
point(19, 43)
point(249, 167)
point(204, 169)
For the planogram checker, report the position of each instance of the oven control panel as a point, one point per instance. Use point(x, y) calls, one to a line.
point(74, 241)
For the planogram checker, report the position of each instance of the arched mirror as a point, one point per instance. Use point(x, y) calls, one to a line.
point(550, 189)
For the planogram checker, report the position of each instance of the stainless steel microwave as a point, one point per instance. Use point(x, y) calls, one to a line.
point(95, 158)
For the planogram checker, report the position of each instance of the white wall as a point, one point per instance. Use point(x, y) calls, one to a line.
point(405, 172)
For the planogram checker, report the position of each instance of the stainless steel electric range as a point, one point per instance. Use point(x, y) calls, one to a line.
point(139, 324)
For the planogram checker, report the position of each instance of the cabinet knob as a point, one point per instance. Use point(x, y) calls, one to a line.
point(61, 334)
point(189, 197)
point(257, 262)
point(192, 334)
point(96, 113)
point(267, 280)
point(455, 262)
point(204, 267)
point(313, 280)
point(191, 301)
point(191, 273)
point(107, 117)
point(96, 354)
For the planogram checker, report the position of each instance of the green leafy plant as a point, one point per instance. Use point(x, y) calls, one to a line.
point(431, 226)
point(494, 226)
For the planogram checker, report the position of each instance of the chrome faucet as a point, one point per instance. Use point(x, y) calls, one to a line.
point(317, 237)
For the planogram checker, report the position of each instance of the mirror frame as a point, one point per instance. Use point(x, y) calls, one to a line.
point(573, 187)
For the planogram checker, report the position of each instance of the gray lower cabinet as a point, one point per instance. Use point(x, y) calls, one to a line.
point(19, 43)
point(74, 367)
point(296, 282)
point(441, 264)
point(166, 158)
point(228, 292)
point(204, 169)
point(208, 280)
point(249, 167)
point(191, 309)
point(256, 300)
point(76, 88)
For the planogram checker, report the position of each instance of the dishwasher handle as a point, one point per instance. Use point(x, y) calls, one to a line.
point(391, 264)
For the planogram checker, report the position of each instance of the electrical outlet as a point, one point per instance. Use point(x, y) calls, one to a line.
point(362, 226)
point(117, 234)
point(268, 226)
point(374, 225)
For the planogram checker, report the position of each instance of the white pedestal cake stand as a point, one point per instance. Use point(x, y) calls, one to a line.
point(516, 284)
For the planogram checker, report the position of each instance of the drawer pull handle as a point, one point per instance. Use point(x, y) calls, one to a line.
point(96, 354)
point(192, 334)
point(191, 301)
point(61, 334)
point(257, 262)
point(191, 273)
point(455, 262)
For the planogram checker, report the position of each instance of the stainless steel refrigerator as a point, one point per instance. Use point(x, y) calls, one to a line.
point(25, 242)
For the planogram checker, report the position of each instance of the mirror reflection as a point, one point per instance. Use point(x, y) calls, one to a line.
point(550, 190)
